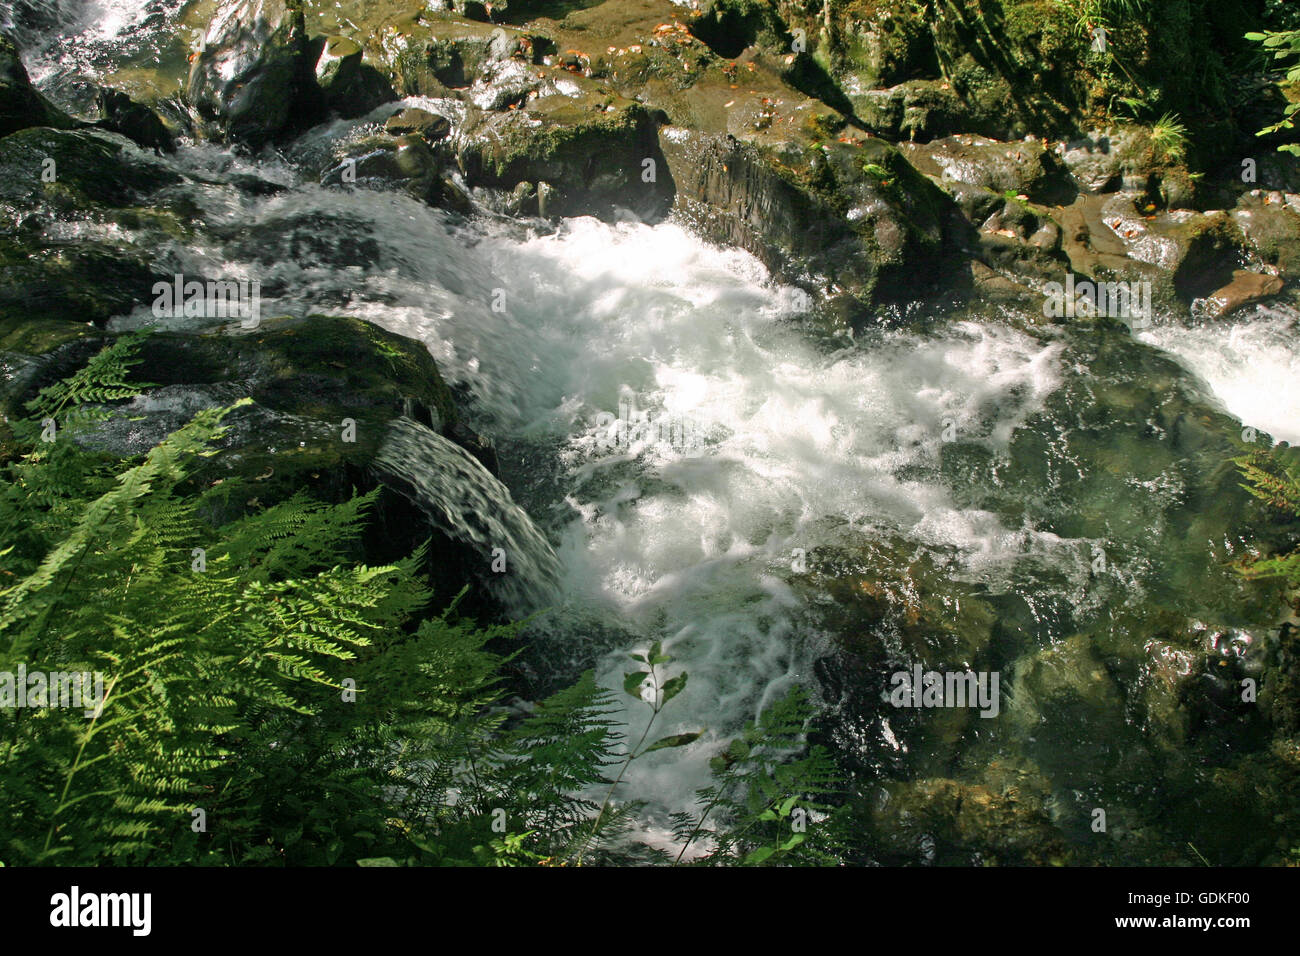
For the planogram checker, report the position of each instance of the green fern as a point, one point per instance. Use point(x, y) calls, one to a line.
point(1273, 478)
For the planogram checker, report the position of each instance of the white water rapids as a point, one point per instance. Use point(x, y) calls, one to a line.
point(692, 546)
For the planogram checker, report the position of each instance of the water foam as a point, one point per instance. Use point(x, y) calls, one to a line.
point(1251, 363)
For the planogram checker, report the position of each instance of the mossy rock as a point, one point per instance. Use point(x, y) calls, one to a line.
point(96, 177)
point(326, 394)
point(78, 281)
point(425, 53)
point(853, 215)
point(1271, 227)
point(90, 169)
point(598, 153)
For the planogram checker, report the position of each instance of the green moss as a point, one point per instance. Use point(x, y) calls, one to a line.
point(37, 336)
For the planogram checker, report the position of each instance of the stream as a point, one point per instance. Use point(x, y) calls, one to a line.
point(970, 491)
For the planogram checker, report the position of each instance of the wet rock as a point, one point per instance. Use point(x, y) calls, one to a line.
point(854, 220)
point(1100, 160)
point(918, 110)
point(348, 86)
point(426, 54)
point(1271, 226)
point(53, 280)
point(877, 46)
point(502, 84)
point(599, 153)
point(1125, 157)
point(99, 178)
point(1185, 255)
point(252, 76)
point(89, 168)
point(406, 162)
point(21, 106)
point(430, 126)
point(1024, 168)
point(141, 125)
point(1244, 289)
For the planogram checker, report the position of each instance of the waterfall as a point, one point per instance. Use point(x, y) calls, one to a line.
point(466, 503)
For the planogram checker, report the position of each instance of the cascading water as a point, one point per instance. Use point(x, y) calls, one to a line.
point(462, 499)
point(796, 446)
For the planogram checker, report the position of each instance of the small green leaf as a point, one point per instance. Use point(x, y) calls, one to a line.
point(674, 686)
point(759, 855)
point(676, 740)
point(793, 842)
point(632, 682)
point(378, 861)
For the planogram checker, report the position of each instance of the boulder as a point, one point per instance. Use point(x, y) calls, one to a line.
point(120, 114)
point(252, 75)
point(1246, 288)
point(21, 106)
point(1025, 168)
point(94, 177)
point(429, 126)
point(406, 162)
point(329, 395)
point(1271, 226)
point(348, 86)
point(853, 220)
point(599, 154)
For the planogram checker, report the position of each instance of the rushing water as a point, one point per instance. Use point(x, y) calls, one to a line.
point(975, 446)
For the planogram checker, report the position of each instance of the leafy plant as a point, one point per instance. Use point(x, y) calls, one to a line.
point(278, 703)
point(1283, 47)
point(1169, 139)
point(1090, 14)
point(767, 788)
point(1275, 480)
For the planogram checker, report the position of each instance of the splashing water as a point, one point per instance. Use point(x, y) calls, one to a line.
point(547, 334)
point(1251, 362)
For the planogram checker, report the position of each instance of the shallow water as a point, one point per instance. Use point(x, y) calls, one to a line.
point(1007, 459)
